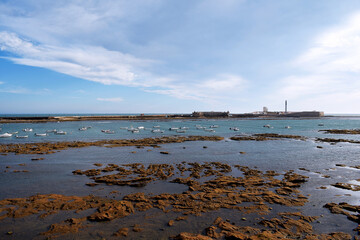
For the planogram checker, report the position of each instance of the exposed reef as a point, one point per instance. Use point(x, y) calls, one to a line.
point(341, 131)
point(290, 225)
point(336, 140)
point(52, 147)
point(211, 187)
point(265, 137)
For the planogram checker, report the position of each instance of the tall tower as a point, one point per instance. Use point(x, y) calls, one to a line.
point(285, 106)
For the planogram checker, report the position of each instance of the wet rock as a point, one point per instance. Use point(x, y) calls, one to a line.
point(52, 147)
point(219, 190)
point(212, 232)
point(137, 228)
point(110, 211)
point(340, 236)
point(341, 131)
point(344, 208)
point(122, 232)
point(181, 218)
point(347, 186)
point(340, 165)
point(191, 236)
point(304, 169)
point(295, 178)
point(91, 184)
point(266, 137)
point(286, 191)
point(90, 172)
point(71, 225)
point(335, 140)
point(163, 152)
point(171, 223)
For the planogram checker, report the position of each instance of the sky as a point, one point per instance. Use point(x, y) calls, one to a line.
point(161, 56)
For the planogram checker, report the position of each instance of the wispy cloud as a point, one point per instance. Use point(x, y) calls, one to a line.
point(335, 50)
point(113, 67)
point(81, 91)
point(209, 90)
point(329, 70)
point(22, 90)
point(118, 99)
point(1, 82)
point(79, 40)
point(88, 62)
point(15, 90)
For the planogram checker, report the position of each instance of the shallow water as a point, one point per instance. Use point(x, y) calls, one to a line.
point(54, 173)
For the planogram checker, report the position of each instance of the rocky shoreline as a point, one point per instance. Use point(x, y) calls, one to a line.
point(266, 204)
point(211, 187)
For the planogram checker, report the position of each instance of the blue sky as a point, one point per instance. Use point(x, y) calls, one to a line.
point(156, 56)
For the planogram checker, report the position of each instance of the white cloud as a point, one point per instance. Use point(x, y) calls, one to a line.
point(52, 22)
point(88, 62)
point(1, 82)
point(335, 50)
point(112, 67)
point(91, 40)
point(110, 99)
point(224, 86)
point(330, 68)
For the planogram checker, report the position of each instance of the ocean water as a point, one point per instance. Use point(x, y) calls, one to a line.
point(54, 173)
point(304, 127)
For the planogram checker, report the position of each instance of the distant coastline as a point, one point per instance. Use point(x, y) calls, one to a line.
point(18, 118)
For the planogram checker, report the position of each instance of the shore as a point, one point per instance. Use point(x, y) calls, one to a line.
point(254, 196)
point(238, 186)
point(35, 119)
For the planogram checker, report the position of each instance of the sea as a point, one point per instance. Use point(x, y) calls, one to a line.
point(326, 164)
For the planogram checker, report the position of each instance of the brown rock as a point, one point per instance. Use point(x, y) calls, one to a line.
point(137, 228)
point(122, 232)
point(110, 211)
point(191, 236)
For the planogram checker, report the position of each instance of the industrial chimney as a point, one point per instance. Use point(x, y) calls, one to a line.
point(285, 106)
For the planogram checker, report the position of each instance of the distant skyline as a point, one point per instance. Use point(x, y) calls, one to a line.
point(157, 56)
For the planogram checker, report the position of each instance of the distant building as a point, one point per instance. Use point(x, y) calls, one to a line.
point(265, 110)
point(315, 114)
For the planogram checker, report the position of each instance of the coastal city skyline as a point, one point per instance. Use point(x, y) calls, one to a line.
point(164, 57)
